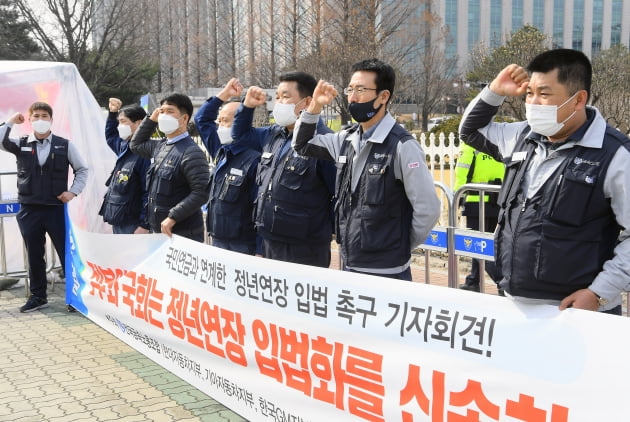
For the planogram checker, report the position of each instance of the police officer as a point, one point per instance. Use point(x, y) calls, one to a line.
point(178, 177)
point(476, 167)
point(293, 209)
point(233, 181)
point(42, 180)
point(125, 202)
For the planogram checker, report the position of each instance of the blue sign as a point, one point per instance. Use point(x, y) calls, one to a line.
point(474, 244)
point(437, 240)
point(9, 209)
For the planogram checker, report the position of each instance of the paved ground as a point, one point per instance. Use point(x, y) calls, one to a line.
point(57, 366)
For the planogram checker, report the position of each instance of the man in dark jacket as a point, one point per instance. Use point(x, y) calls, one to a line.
point(125, 202)
point(233, 182)
point(293, 214)
point(178, 177)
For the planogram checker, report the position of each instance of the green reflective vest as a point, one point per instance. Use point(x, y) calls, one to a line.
point(476, 167)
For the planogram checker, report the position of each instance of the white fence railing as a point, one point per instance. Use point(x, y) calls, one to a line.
point(442, 151)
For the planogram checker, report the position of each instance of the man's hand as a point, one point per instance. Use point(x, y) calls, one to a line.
point(255, 97)
point(510, 82)
point(66, 197)
point(114, 105)
point(17, 118)
point(582, 299)
point(232, 89)
point(140, 230)
point(167, 225)
point(155, 115)
point(324, 94)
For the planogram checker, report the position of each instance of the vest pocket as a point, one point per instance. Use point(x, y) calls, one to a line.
point(573, 196)
point(375, 183)
point(231, 187)
point(24, 183)
point(117, 210)
point(567, 255)
point(60, 160)
point(263, 167)
point(293, 173)
point(511, 169)
point(164, 186)
point(286, 222)
point(224, 226)
point(121, 181)
point(379, 234)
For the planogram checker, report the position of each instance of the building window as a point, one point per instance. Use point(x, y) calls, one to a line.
point(615, 33)
point(538, 16)
point(517, 15)
point(474, 13)
point(496, 10)
point(558, 23)
point(598, 22)
point(450, 20)
point(578, 25)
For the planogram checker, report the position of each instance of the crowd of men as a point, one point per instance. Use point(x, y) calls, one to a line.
point(281, 191)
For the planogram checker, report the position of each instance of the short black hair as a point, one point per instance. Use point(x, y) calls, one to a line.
point(133, 112)
point(385, 74)
point(182, 102)
point(574, 68)
point(40, 105)
point(306, 83)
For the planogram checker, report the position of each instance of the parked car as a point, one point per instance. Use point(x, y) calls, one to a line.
point(435, 121)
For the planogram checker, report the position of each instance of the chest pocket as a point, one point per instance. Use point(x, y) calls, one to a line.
point(59, 158)
point(164, 175)
point(375, 183)
point(573, 194)
point(293, 172)
point(231, 187)
point(263, 167)
point(122, 180)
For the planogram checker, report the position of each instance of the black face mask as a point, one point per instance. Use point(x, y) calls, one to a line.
point(362, 112)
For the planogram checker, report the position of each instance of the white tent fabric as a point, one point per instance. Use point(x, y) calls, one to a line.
point(76, 116)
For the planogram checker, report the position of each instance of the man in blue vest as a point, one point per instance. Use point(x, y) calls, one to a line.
point(293, 208)
point(178, 177)
point(125, 202)
point(233, 181)
point(42, 180)
point(386, 203)
point(563, 236)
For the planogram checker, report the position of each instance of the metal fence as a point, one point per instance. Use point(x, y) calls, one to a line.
point(455, 241)
point(9, 207)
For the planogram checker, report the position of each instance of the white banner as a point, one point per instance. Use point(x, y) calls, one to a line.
point(277, 341)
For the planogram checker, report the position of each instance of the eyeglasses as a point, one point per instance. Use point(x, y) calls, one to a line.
point(359, 90)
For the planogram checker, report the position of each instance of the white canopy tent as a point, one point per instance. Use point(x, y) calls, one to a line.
point(76, 116)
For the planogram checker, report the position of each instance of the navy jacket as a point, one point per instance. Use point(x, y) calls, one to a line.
point(294, 192)
point(125, 201)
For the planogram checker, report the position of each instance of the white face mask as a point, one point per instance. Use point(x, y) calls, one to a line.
point(41, 126)
point(543, 119)
point(284, 114)
point(225, 135)
point(167, 123)
point(124, 131)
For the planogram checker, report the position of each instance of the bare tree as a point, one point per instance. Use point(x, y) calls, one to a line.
point(611, 86)
point(352, 30)
point(522, 46)
point(99, 40)
point(431, 78)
